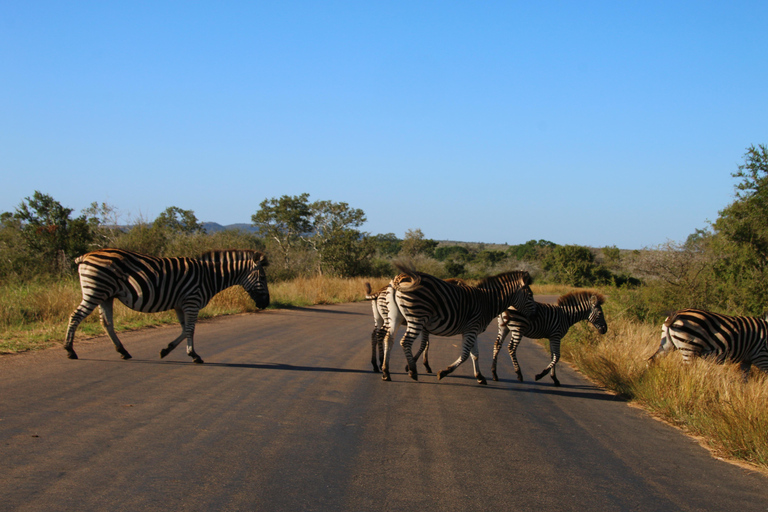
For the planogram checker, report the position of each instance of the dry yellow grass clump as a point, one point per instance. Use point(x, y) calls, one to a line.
point(704, 398)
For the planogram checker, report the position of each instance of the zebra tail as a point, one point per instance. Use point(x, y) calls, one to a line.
point(368, 292)
point(80, 259)
point(408, 279)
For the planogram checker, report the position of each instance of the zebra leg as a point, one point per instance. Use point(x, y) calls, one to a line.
point(554, 346)
point(470, 340)
point(514, 341)
point(172, 345)
point(83, 310)
point(423, 348)
point(475, 354)
point(375, 342)
point(387, 353)
point(106, 321)
point(503, 331)
point(190, 318)
point(411, 334)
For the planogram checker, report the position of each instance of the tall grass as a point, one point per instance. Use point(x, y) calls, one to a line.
point(705, 399)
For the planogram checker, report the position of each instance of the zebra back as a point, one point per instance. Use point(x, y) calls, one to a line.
point(449, 308)
point(554, 320)
point(734, 338)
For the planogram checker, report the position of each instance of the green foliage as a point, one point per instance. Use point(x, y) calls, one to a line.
point(740, 238)
point(177, 221)
point(415, 243)
point(284, 220)
point(387, 245)
point(453, 252)
point(53, 238)
point(531, 250)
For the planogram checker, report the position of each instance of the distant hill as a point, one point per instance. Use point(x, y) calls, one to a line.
point(213, 227)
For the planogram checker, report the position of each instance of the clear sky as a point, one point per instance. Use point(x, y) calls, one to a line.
point(580, 122)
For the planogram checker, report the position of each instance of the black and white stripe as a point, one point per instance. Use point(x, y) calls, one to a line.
point(431, 305)
point(551, 321)
point(381, 327)
point(738, 339)
point(149, 284)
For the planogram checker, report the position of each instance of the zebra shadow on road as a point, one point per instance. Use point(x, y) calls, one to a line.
point(252, 366)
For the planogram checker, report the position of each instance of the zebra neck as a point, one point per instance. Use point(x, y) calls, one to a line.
point(576, 312)
point(226, 274)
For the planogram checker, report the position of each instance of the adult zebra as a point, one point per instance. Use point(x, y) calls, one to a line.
point(551, 321)
point(149, 284)
point(431, 305)
point(381, 327)
point(695, 332)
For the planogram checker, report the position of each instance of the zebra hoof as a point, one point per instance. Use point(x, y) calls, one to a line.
point(481, 380)
point(376, 369)
point(557, 382)
point(413, 375)
point(426, 367)
point(164, 353)
point(198, 360)
point(385, 377)
point(125, 355)
point(441, 374)
point(520, 376)
point(540, 376)
point(494, 376)
point(71, 354)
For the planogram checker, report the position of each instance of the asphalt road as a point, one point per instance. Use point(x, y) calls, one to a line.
point(286, 415)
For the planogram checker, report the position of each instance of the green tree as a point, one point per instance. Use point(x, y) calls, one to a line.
point(341, 249)
point(415, 243)
point(571, 264)
point(176, 221)
point(284, 220)
point(740, 238)
point(386, 245)
point(52, 236)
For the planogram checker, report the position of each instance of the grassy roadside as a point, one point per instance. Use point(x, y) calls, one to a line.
point(707, 400)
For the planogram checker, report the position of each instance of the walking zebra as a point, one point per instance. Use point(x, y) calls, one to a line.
point(739, 339)
point(149, 284)
point(551, 321)
point(381, 327)
point(431, 305)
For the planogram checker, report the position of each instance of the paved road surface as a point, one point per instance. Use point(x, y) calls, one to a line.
point(286, 416)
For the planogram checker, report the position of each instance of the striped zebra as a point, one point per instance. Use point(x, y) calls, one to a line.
point(551, 321)
point(431, 305)
point(695, 332)
point(381, 326)
point(149, 284)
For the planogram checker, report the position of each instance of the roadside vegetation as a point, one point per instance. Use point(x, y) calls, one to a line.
point(318, 255)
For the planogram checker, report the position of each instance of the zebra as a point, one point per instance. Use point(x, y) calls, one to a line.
point(695, 332)
point(381, 326)
point(551, 321)
point(431, 305)
point(149, 284)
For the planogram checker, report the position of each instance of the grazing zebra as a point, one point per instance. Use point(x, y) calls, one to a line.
point(551, 321)
point(431, 305)
point(149, 284)
point(739, 339)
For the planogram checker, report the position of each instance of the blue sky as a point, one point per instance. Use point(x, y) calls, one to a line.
point(592, 123)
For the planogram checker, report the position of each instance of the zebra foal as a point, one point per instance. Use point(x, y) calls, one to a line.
point(551, 321)
point(695, 332)
point(150, 285)
point(430, 305)
point(381, 327)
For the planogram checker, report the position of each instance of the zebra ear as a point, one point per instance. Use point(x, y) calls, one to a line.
point(593, 300)
point(264, 261)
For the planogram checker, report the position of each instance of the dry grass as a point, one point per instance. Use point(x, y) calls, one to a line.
point(705, 399)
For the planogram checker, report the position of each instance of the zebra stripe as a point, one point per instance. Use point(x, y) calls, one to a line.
point(738, 339)
point(551, 321)
point(431, 305)
point(381, 327)
point(149, 284)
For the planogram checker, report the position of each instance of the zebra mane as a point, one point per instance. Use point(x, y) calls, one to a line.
point(514, 275)
point(217, 256)
point(579, 297)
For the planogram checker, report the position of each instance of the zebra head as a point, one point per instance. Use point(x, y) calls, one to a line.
point(522, 296)
point(596, 316)
point(255, 283)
